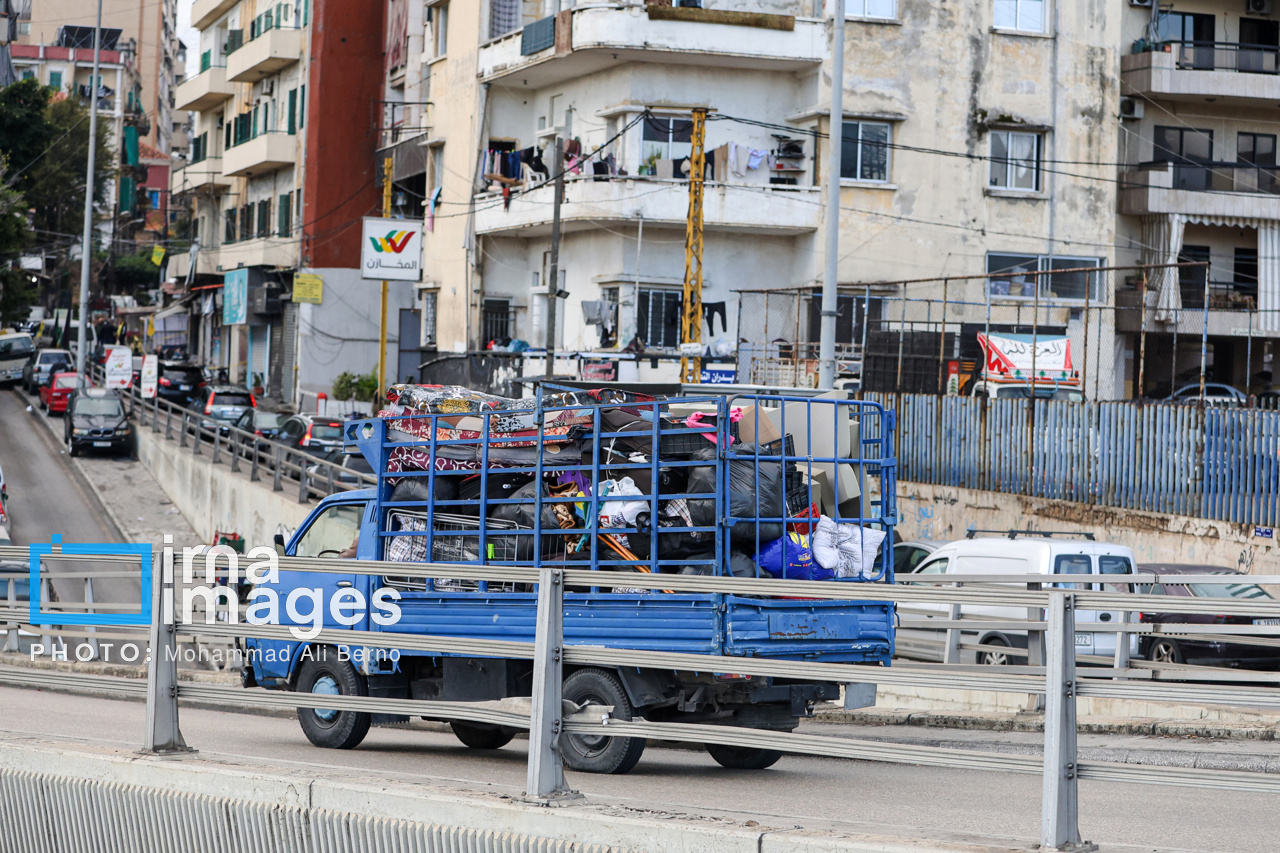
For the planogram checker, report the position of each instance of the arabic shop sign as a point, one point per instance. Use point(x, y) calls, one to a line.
point(391, 250)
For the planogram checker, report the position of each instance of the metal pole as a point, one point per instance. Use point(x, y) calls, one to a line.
point(835, 138)
point(86, 246)
point(1204, 335)
point(553, 286)
point(1142, 342)
point(1173, 368)
point(1248, 357)
point(1060, 812)
point(546, 765)
point(942, 343)
point(862, 355)
point(11, 636)
point(902, 336)
point(1084, 365)
point(163, 734)
point(382, 322)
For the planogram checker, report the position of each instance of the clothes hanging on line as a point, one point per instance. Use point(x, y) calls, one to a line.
point(755, 157)
point(710, 310)
point(738, 155)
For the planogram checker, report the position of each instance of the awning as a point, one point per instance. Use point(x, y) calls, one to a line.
point(209, 286)
point(175, 308)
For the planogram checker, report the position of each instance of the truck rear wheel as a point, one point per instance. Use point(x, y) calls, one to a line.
point(326, 727)
point(743, 757)
point(481, 736)
point(600, 753)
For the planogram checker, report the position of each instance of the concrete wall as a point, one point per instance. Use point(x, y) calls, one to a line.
point(943, 513)
point(213, 498)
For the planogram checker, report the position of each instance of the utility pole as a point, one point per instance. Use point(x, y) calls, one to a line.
point(835, 138)
point(382, 325)
point(691, 325)
point(553, 286)
point(86, 247)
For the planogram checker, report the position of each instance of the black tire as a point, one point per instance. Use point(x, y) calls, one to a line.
point(72, 450)
point(602, 754)
point(993, 653)
point(1163, 650)
point(481, 736)
point(330, 729)
point(742, 757)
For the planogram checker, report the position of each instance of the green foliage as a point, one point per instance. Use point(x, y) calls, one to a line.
point(359, 387)
point(135, 271)
point(55, 184)
point(25, 129)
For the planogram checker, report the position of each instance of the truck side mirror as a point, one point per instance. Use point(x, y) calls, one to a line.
point(279, 543)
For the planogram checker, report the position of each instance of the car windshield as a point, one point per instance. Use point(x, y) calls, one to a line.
point(16, 347)
point(268, 420)
point(184, 375)
point(100, 406)
point(54, 357)
point(231, 398)
point(1227, 590)
point(326, 432)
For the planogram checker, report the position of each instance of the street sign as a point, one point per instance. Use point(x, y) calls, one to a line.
point(308, 287)
point(150, 375)
point(119, 367)
point(719, 375)
point(391, 250)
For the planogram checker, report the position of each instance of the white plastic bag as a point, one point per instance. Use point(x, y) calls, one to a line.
point(616, 513)
point(846, 549)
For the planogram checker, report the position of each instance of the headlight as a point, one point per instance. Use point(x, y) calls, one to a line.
point(79, 432)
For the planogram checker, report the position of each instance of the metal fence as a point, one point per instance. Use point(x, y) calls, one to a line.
point(1051, 626)
point(1208, 462)
point(1125, 341)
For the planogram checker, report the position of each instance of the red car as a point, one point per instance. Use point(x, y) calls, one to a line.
point(55, 393)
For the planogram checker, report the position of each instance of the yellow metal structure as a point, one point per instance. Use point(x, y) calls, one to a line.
point(382, 326)
point(691, 322)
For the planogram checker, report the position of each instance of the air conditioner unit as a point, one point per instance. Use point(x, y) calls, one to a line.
point(1147, 3)
point(268, 87)
point(1131, 108)
point(1259, 7)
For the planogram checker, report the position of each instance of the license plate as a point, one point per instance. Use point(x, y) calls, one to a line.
point(184, 387)
point(1084, 639)
point(1266, 621)
point(102, 444)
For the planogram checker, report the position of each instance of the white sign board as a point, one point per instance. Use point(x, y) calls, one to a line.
point(391, 250)
point(150, 375)
point(119, 369)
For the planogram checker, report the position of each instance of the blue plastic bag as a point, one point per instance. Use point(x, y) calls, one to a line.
point(790, 558)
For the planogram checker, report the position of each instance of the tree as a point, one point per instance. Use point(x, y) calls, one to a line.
point(135, 271)
point(25, 128)
point(17, 292)
point(55, 184)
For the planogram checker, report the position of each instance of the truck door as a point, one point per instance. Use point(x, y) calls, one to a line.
point(333, 533)
point(1105, 643)
point(1078, 564)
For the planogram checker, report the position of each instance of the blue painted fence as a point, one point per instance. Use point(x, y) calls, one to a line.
point(1218, 463)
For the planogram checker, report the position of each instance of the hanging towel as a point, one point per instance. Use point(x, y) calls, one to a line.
point(738, 159)
point(720, 162)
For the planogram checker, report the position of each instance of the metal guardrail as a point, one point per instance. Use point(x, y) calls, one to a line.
point(547, 717)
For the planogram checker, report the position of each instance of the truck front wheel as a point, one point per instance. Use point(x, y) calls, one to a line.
point(326, 727)
point(482, 737)
point(598, 753)
point(742, 757)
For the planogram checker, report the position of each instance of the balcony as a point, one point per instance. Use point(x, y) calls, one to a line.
point(204, 91)
point(205, 13)
point(755, 209)
point(1193, 71)
point(206, 264)
point(1202, 189)
point(204, 176)
point(265, 152)
point(271, 49)
point(259, 252)
point(602, 37)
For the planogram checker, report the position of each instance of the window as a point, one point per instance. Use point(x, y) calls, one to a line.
point(428, 334)
point(1115, 566)
point(264, 218)
point(440, 28)
point(334, 531)
point(665, 139)
point(435, 170)
point(658, 317)
point(229, 232)
point(293, 111)
point(1073, 564)
point(55, 81)
point(496, 322)
point(870, 9)
point(1011, 275)
point(936, 567)
point(1190, 150)
point(1025, 15)
point(1184, 27)
point(302, 106)
point(1015, 160)
point(284, 215)
point(864, 152)
point(1256, 149)
point(1245, 269)
point(504, 17)
point(246, 222)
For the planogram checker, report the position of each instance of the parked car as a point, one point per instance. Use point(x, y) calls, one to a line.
point(43, 362)
point(1215, 394)
point(907, 556)
point(224, 404)
point(96, 419)
point(4, 487)
point(261, 422)
point(179, 383)
point(1051, 557)
point(1206, 652)
point(312, 434)
point(55, 393)
point(350, 463)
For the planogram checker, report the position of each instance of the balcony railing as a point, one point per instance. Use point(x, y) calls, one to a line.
point(1226, 56)
point(1223, 177)
point(280, 16)
point(1223, 295)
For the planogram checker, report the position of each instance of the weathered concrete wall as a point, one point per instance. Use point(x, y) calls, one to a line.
point(943, 513)
point(213, 498)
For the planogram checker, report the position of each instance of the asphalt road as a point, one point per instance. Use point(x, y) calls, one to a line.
point(860, 796)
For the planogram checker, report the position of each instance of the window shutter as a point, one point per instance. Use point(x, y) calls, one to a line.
point(293, 111)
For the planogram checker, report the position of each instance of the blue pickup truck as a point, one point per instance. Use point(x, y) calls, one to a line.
point(617, 483)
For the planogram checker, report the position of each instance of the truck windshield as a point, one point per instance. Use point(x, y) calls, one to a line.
point(332, 532)
point(1022, 392)
point(18, 346)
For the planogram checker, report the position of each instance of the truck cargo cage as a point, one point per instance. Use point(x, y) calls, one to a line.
point(622, 482)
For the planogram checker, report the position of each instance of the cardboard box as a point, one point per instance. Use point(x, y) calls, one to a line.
point(758, 425)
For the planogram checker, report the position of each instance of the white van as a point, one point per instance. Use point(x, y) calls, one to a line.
point(1020, 556)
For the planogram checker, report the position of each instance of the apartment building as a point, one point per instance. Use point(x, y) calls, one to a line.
point(956, 120)
point(1200, 88)
point(280, 173)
